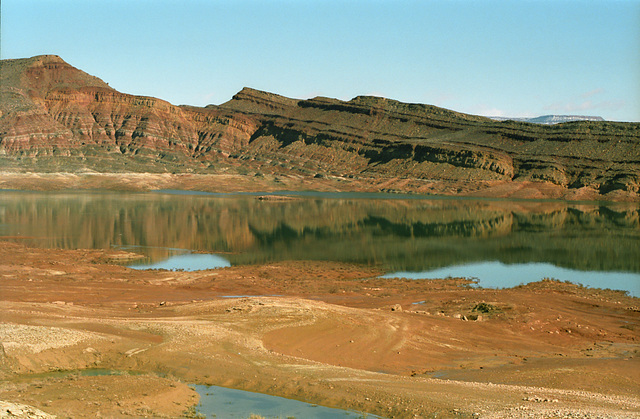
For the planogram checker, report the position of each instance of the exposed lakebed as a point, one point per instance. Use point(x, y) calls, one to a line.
point(506, 240)
point(501, 243)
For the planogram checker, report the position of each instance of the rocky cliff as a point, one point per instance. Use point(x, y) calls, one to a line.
point(54, 117)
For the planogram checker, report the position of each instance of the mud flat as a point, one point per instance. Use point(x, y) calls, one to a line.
point(329, 333)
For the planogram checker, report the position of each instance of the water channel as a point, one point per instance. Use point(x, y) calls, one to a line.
point(221, 402)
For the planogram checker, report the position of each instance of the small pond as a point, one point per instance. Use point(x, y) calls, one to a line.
point(220, 402)
point(500, 275)
point(186, 262)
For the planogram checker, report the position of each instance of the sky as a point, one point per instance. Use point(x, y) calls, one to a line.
point(486, 57)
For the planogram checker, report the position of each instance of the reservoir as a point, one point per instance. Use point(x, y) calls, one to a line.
point(502, 243)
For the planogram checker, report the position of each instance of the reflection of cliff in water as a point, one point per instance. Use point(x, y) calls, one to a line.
point(399, 234)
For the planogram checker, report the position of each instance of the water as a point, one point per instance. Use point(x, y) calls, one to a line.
point(186, 262)
point(223, 402)
point(499, 275)
point(503, 243)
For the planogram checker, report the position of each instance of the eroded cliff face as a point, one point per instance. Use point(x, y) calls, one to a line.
point(388, 138)
point(50, 109)
point(55, 117)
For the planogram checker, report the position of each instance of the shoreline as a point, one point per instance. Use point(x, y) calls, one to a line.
point(352, 340)
point(234, 183)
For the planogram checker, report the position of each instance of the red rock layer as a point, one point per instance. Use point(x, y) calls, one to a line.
point(51, 109)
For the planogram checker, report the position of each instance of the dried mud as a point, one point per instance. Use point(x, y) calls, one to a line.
point(328, 333)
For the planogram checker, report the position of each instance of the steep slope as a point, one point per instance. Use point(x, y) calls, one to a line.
point(57, 118)
point(386, 137)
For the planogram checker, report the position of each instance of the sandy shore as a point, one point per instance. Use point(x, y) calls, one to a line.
point(142, 182)
point(335, 335)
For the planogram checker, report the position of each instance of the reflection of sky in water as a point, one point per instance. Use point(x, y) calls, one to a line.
point(188, 262)
point(228, 403)
point(488, 274)
point(499, 275)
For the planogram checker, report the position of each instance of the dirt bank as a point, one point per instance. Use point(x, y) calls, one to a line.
point(329, 333)
point(141, 182)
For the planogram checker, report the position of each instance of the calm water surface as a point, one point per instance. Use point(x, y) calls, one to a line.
point(499, 275)
point(220, 402)
point(186, 262)
point(502, 243)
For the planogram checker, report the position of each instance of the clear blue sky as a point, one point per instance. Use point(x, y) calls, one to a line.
point(509, 57)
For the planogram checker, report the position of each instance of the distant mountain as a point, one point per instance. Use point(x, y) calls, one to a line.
point(56, 118)
point(550, 119)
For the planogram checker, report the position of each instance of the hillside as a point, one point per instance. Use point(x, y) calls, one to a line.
point(56, 118)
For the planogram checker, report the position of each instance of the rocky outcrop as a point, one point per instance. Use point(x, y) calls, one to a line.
point(10, 410)
point(54, 115)
point(255, 101)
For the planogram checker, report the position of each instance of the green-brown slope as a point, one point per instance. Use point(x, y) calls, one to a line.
point(409, 140)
